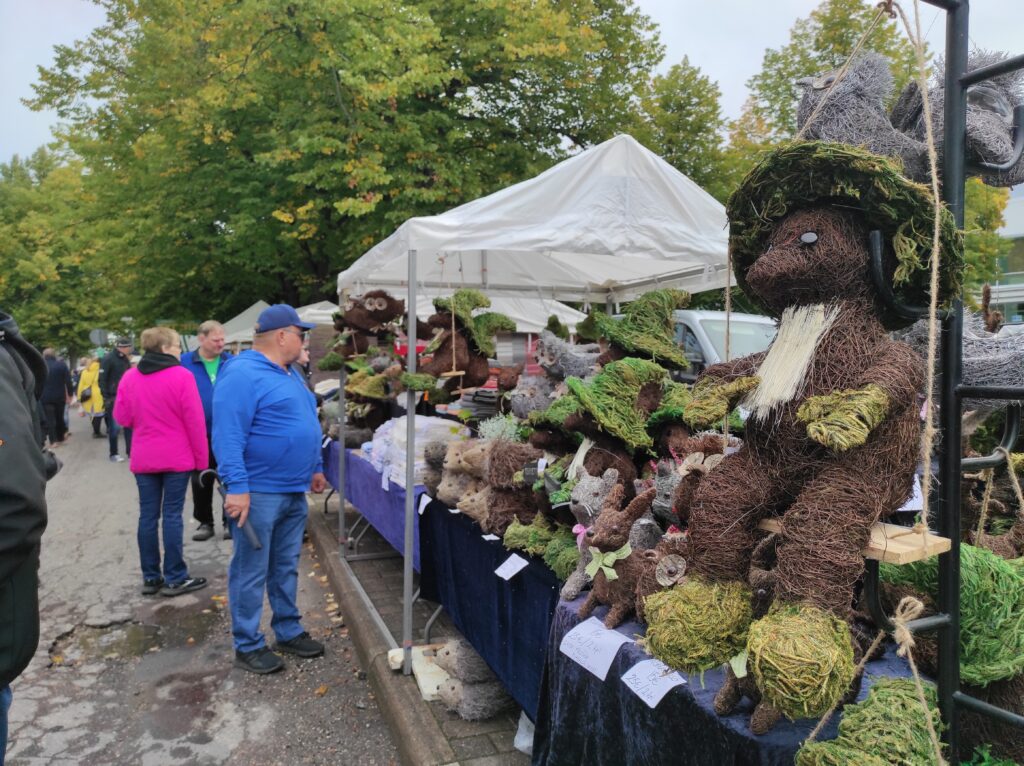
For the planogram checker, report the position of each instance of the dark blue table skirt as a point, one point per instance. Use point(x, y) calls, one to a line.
point(383, 509)
point(507, 622)
point(583, 720)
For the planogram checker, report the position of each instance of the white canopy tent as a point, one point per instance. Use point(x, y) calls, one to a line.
point(318, 313)
point(529, 314)
point(608, 224)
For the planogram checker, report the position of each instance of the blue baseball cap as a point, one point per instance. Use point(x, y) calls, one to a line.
point(280, 315)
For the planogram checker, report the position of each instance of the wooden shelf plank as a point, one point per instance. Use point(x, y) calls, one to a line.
point(889, 543)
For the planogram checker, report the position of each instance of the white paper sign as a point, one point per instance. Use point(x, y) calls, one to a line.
point(593, 646)
point(916, 501)
point(490, 537)
point(513, 564)
point(424, 502)
point(541, 465)
point(651, 680)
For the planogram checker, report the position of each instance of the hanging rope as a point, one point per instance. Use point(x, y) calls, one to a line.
point(988, 477)
point(908, 609)
point(728, 333)
point(1013, 480)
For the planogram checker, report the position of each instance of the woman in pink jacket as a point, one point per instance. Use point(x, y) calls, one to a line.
point(159, 401)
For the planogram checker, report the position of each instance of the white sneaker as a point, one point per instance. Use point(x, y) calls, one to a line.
point(116, 459)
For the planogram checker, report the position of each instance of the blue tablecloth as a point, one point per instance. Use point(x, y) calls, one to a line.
point(582, 719)
point(506, 621)
point(383, 508)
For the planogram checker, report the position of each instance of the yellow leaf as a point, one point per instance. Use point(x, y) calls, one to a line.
point(321, 690)
point(283, 216)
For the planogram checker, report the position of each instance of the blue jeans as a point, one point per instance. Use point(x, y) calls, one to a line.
point(278, 519)
point(5, 705)
point(114, 428)
point(162, 495)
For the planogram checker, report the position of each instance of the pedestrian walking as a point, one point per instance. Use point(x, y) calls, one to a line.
point(90, 398)
point(57, 394)
point(24, 469)
point(160, 402)
point(267, 441)
point(112, 368)
point(206, 363)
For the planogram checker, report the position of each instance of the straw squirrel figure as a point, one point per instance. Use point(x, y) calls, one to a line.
point(560, 359)
point(585, 503)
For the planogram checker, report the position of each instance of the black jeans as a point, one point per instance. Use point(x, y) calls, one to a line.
point(55, 428)
point(202, 494)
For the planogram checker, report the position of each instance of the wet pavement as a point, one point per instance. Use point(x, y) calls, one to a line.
point(121, 678)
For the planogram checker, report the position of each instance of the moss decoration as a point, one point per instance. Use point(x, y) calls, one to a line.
point(331, 362)
point(888, 727)
point(812, 173)
point(610, 397)
point(647, 328)
point(367, 384)
point(418, 381)
point(562, 555)
point(556, 327)
point(481, 328)
point(696, 626)
point(991, 610)
point(843, 420)
point(712, 400)
point(801, 658)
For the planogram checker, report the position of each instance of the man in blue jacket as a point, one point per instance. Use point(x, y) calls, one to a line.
point(266, 437)
point(206, 363)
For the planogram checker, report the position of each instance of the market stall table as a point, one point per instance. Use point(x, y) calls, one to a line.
point(506, 621)
point(381, 504)
point(582, 719)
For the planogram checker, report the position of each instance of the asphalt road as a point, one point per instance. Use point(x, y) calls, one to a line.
point(121, 678)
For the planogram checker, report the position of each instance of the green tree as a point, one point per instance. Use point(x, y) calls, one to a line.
point(819, 43)
point(682, 121)
point(53, 277)
point(253, 149)
point(983, 245)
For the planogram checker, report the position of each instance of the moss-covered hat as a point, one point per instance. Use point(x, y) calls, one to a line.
point(674, 399)
point(812, 173)
point(481, 328)
point(647, 328)
point(368, 384)
point(610, 397)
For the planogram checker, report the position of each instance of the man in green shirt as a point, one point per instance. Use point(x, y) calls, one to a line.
point(206, 363)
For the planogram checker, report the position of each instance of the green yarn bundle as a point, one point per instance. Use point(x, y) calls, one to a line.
point(991, 610)
point(843, 419)
point(696, 626)
point(801, 658)
point(888, 727)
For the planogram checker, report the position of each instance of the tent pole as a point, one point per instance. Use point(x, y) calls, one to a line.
point(410, 470)
point(342, 529)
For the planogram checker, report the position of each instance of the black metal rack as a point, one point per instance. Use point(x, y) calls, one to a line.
point(952, 392)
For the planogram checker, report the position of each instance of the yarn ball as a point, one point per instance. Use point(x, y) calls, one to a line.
point(801, 658)
point(697, 625)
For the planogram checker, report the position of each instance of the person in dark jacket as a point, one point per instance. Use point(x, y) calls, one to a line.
point(113, 367)
point(206, 363)
point(24, 469)
point(57, 392)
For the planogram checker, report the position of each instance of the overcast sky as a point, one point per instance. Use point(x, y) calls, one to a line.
point(725, 38)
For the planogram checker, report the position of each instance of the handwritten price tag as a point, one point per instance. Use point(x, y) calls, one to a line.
point(651, 680)
point(591, 645)
point(513, 564)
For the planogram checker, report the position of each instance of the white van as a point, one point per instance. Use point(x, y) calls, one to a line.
point(701, 335)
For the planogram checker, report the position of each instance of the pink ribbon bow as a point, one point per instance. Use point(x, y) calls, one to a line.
point(579, 530)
